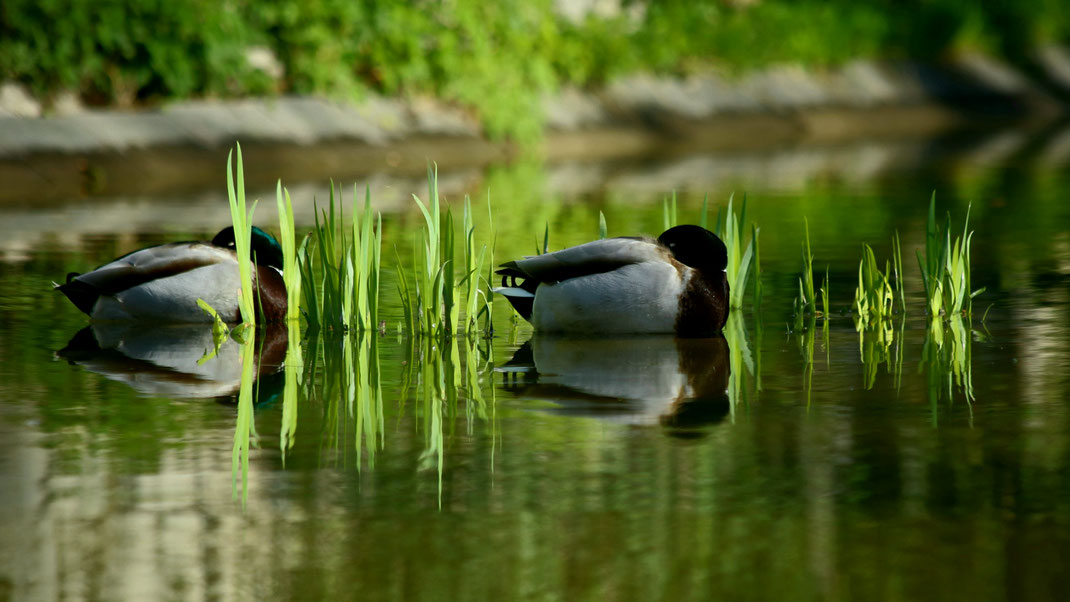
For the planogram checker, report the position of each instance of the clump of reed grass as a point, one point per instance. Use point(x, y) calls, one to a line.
point(877, 291)
point(431, 306)
point(945, 268)
point(291, 275)
point(897, 265)
point(825, 294)
point(806, 296)
point(476, 299)
point(742, 260)
point(242, 222)
point(430, 313)
point(291, 272)
point(806, 301)
point(668, 212)
point(874, 300)
point(340, 277)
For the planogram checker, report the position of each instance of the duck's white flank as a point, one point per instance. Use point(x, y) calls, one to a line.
point(174, 299)
point(641, 297)
point(172, 278)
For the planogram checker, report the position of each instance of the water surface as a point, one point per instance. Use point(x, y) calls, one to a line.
point(791, 466)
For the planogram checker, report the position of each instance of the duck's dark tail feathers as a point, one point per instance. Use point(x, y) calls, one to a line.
point(82, 295)
point(521, 294)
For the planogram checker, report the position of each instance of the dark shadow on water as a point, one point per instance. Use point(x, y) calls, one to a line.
point(169, 361)
point(680, 384)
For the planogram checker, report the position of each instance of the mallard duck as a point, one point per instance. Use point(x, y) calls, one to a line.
point(163, 283)
point(675, 284)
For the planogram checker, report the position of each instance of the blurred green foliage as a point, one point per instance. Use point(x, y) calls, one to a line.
point(496, 58)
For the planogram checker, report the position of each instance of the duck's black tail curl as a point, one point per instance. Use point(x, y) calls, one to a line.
point(83, 296)
point(513, 278)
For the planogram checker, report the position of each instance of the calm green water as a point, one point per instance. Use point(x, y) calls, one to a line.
point(466, 478)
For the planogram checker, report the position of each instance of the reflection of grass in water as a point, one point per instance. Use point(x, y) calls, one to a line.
point(949, 362)
point(293, 366)
point(329, 350)
point(806, 346)
point(439, 380)
point(739, 357)
point(875, 348)
point(825, 313)
point(349, 389)
point(433, 395)
point(351, 394)
point(245, 430)
point(900, 343)
point(366, 404)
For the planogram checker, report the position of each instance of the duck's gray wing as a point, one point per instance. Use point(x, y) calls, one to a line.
point(152, 263)
point(589, 258)
point(138, 268)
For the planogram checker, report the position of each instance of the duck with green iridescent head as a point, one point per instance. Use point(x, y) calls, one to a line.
point(675, 284)
point(162, 283)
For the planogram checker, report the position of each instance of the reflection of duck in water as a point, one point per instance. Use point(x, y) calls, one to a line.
point(165, 361)
point(675, 284)
point(162, 284)
point(678, 383)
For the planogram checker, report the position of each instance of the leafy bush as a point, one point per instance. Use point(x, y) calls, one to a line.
point(128, 50)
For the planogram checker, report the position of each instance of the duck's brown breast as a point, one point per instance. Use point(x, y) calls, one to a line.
point(272, 292)
point(703, 305)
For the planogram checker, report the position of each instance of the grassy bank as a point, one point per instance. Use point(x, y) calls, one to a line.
point(496, 58)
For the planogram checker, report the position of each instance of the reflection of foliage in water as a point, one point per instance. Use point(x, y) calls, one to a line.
point(293, 364)
point(875, 348)
point(441, 383)
point(805, 337)
point(245, 430)
point(342, 373)
point(740, 356)
point(350, 393)
point(948, 362)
